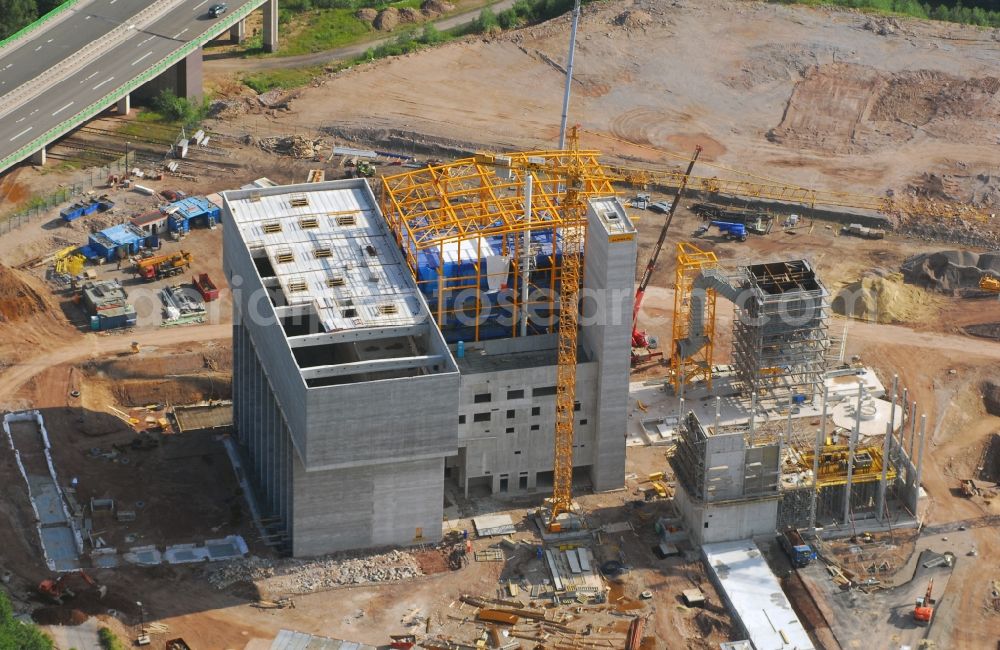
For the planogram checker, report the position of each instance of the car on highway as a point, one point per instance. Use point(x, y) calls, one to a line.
point(217, 10)
point(662, 207)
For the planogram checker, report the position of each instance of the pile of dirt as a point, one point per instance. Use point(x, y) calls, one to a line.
point(18, 301)
point(366, 14)
point(436, 7)
point(991, 397)
point(295, 146)
point(882, 297)
point(950, 272)
point(632, 18)
point(410, 15)
point(980, 189)
point(386, 20)
point(883, 26)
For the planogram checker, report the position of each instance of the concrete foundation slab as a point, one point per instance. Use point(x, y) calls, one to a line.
point(492, 525)
point(60, 547)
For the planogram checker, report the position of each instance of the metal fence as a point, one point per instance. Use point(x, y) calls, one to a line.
point(44, 205)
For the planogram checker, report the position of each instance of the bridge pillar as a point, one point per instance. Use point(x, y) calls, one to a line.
point(38, 158)
point(238, 32)
point(125, 105)
point(189, 77)
point(271, 25)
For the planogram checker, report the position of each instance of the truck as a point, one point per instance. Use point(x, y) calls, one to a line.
point(857, 230)
point(206, 287)
point(162, 266)
point(800, 553)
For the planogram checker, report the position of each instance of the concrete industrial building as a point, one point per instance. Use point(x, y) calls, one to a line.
point(351, 407)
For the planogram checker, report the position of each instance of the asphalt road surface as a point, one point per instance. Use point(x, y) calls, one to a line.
point(47, 47)
point(141, 50)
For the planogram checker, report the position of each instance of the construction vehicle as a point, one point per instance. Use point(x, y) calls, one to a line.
point(732, 230)
point(56, 590)
point(923, 611)
point(799, 552)
point(163, 266)
point(641, 344)
point(857, 230)
point(969, 488)
point(989, 283)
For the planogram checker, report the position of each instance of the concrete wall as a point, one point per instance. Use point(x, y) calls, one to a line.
point(366, 423)
point(609, 279)
point(725, 522)
point(375, 505)
point(524, 444)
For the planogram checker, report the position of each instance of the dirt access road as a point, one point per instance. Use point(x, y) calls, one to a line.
point(93, 346)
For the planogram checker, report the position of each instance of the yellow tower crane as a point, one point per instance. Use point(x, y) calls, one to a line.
point(473, 198)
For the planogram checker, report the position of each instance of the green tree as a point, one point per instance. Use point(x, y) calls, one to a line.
point(17, 635)
point(15, 14)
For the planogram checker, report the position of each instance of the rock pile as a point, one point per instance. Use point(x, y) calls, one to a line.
point(883, 26)
point(436, 7)
point(950, 272)
point(295, 146)
point(632, 18)
point(991, 397)
point(307, 576)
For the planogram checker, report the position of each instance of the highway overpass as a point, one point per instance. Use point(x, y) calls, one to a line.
point(89, 55)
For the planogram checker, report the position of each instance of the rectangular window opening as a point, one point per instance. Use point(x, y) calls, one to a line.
point(481, 398)
point(515, 394)
point(481, 417)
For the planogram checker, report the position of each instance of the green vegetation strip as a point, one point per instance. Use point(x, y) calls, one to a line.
point(17, 635)
point(954, 12)
point(108, 640)
point(32, 26)
point(124, 89)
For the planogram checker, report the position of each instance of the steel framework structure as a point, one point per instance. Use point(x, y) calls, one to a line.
point(482, 197)
point(691, 261)
point(780, 333)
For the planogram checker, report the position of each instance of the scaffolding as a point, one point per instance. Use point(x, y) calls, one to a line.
point(691, 262)
point(780, 336)
point(462, 227)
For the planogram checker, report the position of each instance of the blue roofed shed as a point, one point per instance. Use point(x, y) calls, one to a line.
point(196, 209)
point(116, 242)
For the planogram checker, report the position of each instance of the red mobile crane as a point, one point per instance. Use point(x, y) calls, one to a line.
point(640, 342)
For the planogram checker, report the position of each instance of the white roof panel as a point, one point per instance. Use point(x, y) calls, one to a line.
point(756, 596)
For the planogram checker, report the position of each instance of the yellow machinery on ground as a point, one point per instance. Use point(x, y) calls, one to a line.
point(69, 262)
point(833, 465)
point(989, 283)
point(691, 261)
point(472, 198)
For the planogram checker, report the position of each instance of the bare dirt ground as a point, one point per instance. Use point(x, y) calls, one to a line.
point(807, 95)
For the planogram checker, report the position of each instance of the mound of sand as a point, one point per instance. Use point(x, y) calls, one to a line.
point(18, 300)
point(881, 296)
point(366, 14)
point(632, 18)
point(410, 15)
point(950, 271)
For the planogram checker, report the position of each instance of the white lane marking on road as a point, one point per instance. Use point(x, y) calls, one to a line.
point(92, 75)
point(112, 2)
point(144, 41)
point(86, 17)
point(38, 48)
point(62, 109)
point(20, 120)
point(21, 133)
point(178, 34)
point(142, 57)
point(32, 112)
point(49, 41)
point(199, 4)
point(102, 83)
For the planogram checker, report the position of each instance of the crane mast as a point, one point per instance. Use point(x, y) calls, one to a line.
point(574, 215)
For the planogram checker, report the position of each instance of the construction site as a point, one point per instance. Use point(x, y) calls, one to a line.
point(577, 368)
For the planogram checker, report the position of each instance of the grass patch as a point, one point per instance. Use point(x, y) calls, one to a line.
point(982, 13)
point(267, 80)
point(324, 29)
